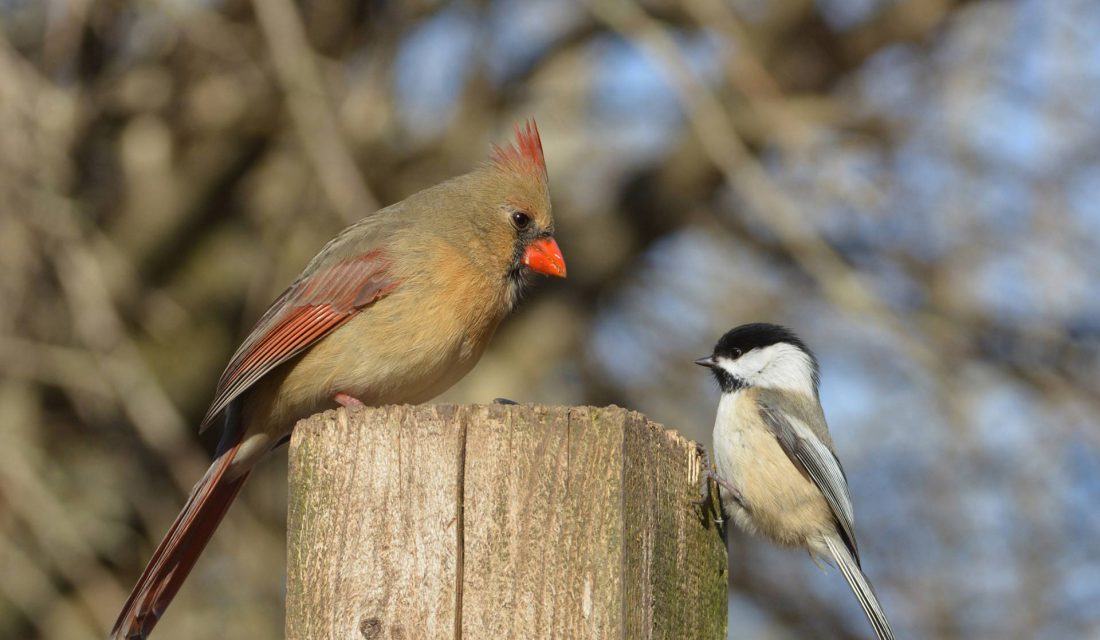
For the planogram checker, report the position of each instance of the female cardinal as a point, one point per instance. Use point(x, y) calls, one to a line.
point(395, 309)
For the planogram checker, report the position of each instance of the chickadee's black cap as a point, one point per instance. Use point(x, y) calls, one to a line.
point(757, 335)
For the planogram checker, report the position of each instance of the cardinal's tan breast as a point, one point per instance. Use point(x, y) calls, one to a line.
point(405, 348)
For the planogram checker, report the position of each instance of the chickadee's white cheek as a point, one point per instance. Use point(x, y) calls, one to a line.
point(778, 366)
point(731, 367)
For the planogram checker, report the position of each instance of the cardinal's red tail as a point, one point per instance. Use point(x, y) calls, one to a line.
point(179, 550)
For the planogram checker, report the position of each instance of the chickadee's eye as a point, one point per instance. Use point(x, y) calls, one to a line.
point(736, 353)
point(521, 220)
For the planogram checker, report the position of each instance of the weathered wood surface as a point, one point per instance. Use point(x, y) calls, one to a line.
point(499, 522)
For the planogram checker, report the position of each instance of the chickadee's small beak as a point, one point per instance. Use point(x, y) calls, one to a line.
point(544, 256)
point(707, 362)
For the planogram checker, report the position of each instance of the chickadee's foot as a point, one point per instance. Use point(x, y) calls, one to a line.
point(704, 502)
point(504, 401)
point(734, 492)
point(706, 505)
point(348, 401)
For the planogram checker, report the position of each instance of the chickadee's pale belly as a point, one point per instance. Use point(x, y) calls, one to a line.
point(777, 499)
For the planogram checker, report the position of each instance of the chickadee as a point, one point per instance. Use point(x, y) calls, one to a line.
point(776, 468)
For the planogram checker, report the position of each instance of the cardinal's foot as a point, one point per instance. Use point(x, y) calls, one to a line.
point(344, 400)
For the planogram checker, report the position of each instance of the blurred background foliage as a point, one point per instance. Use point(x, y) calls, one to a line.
point(911, 184)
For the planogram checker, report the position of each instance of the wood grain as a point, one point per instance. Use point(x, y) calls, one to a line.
point(372, 524)
point(499, 522)
point(675, 570)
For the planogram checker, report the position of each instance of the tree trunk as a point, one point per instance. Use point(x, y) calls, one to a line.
point(499, 522)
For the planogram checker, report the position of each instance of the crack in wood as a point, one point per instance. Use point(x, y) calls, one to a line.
point(460, 526)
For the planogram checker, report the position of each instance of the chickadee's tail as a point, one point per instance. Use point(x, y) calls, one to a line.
point(860, 586)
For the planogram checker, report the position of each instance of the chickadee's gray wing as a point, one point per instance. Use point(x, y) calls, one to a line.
point(808, 451)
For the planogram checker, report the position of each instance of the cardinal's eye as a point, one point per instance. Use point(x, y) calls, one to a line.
point(521, 220)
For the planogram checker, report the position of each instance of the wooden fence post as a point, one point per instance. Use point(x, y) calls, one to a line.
point(471, 522)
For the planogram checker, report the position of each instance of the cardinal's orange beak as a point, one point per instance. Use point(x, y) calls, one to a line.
point(544, 256)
